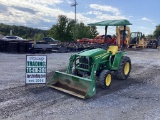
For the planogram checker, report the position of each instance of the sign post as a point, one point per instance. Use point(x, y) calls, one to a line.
point(36, 69)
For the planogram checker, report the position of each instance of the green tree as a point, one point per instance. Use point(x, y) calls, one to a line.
point(94, 32)
point(63, 29)
point(157, 31)
point(143, 36)
point(38, 37)
point(67, 30)
point(84, 31)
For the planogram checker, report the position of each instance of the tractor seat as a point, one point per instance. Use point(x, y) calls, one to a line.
point(113, 49)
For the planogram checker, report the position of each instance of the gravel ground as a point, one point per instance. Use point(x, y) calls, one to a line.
point(137, 98)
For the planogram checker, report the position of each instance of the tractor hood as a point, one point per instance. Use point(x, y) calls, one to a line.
point(93, 52)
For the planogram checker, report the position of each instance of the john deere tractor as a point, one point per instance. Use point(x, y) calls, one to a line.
point(88, 67)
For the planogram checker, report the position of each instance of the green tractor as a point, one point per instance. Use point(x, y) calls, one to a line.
point(88, 67)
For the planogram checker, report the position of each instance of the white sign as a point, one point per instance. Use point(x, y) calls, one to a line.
point(36, 69)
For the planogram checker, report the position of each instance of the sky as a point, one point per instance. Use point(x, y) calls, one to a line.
point(42, 14)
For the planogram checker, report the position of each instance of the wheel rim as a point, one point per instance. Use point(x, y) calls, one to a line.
point(126, 68)
point(108, 80)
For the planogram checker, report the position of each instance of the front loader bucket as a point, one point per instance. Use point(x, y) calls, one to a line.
point(74, 85)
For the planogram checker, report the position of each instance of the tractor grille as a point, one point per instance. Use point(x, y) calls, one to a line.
point(84, 63)
point(83, 60)
point(83, 66)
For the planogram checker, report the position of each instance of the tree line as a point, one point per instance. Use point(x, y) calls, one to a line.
point(22, 31)
point(64, 30)
point(157, 31)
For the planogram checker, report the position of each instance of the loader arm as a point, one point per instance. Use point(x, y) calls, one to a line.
point(71, 62)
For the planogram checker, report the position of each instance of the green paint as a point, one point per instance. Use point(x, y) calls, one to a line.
point(87, 63)
point(36, 63)
point(111, 23)
point(35, 70)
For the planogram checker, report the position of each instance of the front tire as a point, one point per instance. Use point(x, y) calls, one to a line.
point(105, 79)
point(124, 68)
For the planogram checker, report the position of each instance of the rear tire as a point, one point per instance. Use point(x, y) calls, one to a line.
point(124, 68)
point(105, 79)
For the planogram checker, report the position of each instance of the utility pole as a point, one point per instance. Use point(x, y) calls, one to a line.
point(74, 33)
point(74, 5)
